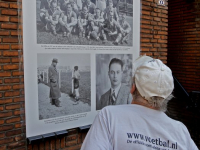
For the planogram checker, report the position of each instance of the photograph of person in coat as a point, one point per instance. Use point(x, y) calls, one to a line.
point(54, 84)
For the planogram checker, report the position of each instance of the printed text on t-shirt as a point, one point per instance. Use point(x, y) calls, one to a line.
point(153, 142)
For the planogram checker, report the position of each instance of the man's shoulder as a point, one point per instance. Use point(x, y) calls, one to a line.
point(105, 94)
point(51, 67)
point(125, 88)
point(117, 108)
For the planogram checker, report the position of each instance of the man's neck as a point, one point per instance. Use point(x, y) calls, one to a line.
point(115, 87)
point(142, 102)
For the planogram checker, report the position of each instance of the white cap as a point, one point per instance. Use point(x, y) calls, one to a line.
point(153, 78)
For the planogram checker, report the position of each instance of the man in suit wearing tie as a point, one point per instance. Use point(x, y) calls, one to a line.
point(54, 84)
point(118, 93)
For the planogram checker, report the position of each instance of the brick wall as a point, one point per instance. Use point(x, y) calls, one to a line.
point(184, 42)
point(154, 31)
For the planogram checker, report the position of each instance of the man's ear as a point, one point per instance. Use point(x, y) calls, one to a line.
point(133, 88)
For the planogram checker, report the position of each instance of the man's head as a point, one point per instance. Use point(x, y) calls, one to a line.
point(111, 15)
point(54, 4)
point(54, 62)
point(115, 72)
point(153, 82)
point(98, 12)
point(88, 2)
point(123, 17)
point(75, 67)
point(85, 10)
point(73, 3)
point(110, 3)
point(69, 8)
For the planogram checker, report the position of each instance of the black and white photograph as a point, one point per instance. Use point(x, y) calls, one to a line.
point(85, 22)
point(113, 79)
point(64, 84)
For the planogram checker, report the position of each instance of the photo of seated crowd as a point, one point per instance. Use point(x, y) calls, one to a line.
point(85, 22)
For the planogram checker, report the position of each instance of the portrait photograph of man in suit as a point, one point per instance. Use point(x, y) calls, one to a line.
point(113, 75)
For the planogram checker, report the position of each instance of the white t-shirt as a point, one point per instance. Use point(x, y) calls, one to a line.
point(135, 127)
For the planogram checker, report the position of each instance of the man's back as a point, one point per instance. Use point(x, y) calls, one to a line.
point(136, 127)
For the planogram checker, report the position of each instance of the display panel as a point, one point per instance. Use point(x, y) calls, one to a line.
point(72, 50)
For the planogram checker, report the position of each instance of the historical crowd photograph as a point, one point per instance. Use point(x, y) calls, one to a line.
point(113, 79)
point(85, 22)
point(64, 84)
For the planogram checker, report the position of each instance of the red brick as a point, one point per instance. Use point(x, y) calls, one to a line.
point(4, 147)
point(9, 12)
point(10, 67)
point(6, 60)
point(2, 135)
point(4, 18)
point(17, 60)
point(5, 114)
point(146, 36)
point(5, 101)
point(157, 10)
point(145, 31)
point(9, 26)
point(147, 17)
point(18, 73)
point(10, 53)
point(22, 80)
point(146, 26)
point(154, 40)
point(145, 40)
point(20, 27)
point(15, 33)
point(145, 12)
point(19, 86)
point(14, 119)
point(14, 19)
point(19, 138)
point(6, 127)
point(146, 45)
point(1, 108)
point(156, 36)
point(10, 40)
point(19, 112)
point(5, 87)
point(162, 41)
point(156, 19)
point(18, 125)
point(14, 106)
point(16, 47)
point(4, 5)
point(145, 22)
point(10, 94)
point(13, 132)
point(12, 80)
point(4, 47)
point(4, 33)
point(1, 81)
point(1, 121)
point(162, 32)
point(16, 145)
point(145, 3)
point(156, 45)
point(13, 5)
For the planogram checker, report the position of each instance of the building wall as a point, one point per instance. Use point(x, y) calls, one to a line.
point(184, 42)
point(154, 31)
